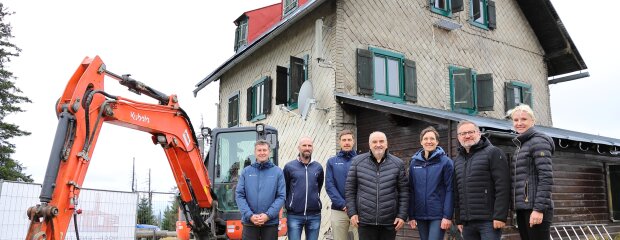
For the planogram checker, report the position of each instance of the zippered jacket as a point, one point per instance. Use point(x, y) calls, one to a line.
point(261, 189)
point(377, 192)
point(336, 177)
point(303, 187)
point(534, 172)
point(431, 186)
point(482, 181)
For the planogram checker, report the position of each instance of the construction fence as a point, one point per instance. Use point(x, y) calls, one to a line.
point(105, 214)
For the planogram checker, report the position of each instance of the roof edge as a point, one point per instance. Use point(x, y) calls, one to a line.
point(259, 42)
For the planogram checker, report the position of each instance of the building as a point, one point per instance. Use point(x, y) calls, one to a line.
point(400, 66)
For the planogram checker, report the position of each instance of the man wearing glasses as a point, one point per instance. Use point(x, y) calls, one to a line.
point(482, 181)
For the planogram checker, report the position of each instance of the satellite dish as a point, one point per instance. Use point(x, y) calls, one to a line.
point(305, 98)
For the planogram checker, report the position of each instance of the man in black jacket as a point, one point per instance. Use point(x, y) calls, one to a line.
point(377, 191)
point(482, 181)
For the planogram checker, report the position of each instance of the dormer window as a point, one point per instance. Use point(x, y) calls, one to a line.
point(288, 6)
point(241, 34)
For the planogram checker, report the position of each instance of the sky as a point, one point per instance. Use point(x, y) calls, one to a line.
point(171, 46)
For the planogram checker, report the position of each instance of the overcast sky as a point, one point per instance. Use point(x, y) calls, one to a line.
point(171, 46)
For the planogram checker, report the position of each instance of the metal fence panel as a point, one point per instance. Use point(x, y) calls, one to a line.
point(580, 231)
point(105, 214)
point(15, 198)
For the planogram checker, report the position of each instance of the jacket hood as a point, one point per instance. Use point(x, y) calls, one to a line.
point(435, 155)
point(263, 165)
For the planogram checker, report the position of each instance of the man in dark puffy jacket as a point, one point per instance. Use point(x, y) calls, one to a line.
point(482, 181)
point(304, 180)
point(377, 191)
point(260, 195)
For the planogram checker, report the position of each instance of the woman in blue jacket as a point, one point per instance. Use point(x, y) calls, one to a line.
point(430, 178)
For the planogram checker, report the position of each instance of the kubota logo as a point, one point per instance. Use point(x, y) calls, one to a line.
point(141, 118)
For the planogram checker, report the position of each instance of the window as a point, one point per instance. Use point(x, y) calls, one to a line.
point(233, 110)
point(613, 191)
point(259, 99)
point(517, 93)
point(289, 81)
point(482, 14)
point(386, 75)
point(470, 92)
point(241, 33)
point(288, 6)
point(446, 7)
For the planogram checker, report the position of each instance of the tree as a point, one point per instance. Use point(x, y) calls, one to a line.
point(145, 212)
point(171, 215)
point(10, 98)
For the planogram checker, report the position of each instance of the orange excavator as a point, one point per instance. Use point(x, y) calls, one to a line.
point(85, 106)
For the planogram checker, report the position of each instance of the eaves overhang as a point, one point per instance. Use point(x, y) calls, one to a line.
point(561, 54)
point(428, 114)
point(273, 32)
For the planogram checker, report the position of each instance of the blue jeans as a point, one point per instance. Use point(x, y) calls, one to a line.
point(430, 229)
point(297, 223)
point(480, 230)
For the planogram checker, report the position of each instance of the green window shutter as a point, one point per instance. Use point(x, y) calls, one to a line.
point(248, 106)
point(411, 84)
point(365, 84)
point(230, 112)
point(510, 96)
point(281, 85)
point(492, 15)
point(237, 38)
point(235, 112)
point(267, 96)
point(297, 78)
point(457, 6)
point(463, 88)
point(485, 96)
point(527, 95)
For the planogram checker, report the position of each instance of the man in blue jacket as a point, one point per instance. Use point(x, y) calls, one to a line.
point(336, 177)
point(304, 180)
point(260, 195)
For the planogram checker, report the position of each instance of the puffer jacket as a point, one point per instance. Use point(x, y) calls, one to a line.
point(534, 172)
point(377, 192)
point(431, 186)
point(261, 189)
point(482, 181)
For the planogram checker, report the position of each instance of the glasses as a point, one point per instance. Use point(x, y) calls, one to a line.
point(463, 134)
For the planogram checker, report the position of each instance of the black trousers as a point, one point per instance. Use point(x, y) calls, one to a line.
point(252, 232)
point(376, 232)
point(536, 232)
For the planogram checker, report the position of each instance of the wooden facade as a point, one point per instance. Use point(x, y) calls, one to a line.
point(580, 190)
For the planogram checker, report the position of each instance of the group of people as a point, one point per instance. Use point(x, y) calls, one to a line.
point(373, 195)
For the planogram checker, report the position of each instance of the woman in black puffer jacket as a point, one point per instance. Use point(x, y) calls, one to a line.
point(533, 176)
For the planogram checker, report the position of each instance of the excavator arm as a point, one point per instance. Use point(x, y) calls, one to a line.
point(82, 109)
